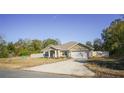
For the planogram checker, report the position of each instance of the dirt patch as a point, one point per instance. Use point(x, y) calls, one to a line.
point(22, 62)
point(106, 67)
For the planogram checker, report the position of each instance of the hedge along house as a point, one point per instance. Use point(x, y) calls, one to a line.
point(71, 49)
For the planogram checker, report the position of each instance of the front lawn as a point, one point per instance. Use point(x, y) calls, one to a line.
point(106, 67)
point(22, 62)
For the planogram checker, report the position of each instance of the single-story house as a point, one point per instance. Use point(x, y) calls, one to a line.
point(71, 49)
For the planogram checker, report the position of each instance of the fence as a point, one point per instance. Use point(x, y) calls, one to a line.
point(99, 54)
point(36, 55)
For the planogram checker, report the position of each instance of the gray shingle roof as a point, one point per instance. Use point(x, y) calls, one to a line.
point(65, 46)
point(69, 44)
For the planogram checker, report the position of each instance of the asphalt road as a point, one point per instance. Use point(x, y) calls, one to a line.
point(15, 73)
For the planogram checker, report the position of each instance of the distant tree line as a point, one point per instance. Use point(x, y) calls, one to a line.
point(112, 39)
point(24, 47)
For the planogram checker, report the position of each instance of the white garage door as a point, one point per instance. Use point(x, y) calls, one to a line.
point(79, 55)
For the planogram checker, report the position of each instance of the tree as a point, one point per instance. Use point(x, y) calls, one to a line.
point(3, 51)
point(113, 37)
point(24, 47)
point(89, 43)
point(21, 48)
point(27, 47)
point(97, 44)
point(3, 48)
point(11, 49)
point(50, 42)
point(36, 46)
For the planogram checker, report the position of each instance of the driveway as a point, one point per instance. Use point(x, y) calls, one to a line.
point(69, 67)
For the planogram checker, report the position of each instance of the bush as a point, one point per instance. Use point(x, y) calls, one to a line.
point(3, 51)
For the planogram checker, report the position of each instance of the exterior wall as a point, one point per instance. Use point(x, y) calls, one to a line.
point(99, 54)
point(61, 53)
point(78, 48)
point(57, 53)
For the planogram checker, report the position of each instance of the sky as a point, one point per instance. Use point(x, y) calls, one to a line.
point(65, 27)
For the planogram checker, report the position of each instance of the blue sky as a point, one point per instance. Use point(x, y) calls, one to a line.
point(65, 27)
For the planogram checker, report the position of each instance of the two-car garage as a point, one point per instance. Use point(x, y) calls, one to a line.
point(79, 55)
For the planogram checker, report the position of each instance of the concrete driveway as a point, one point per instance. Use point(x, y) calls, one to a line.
point(69, 67)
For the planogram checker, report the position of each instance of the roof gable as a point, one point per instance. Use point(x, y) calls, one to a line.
point(67, 46)
point(80, 46)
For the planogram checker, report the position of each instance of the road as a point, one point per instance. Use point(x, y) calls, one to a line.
point(15, 73)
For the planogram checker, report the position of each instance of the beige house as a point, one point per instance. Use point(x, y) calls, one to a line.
point(70, 49)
